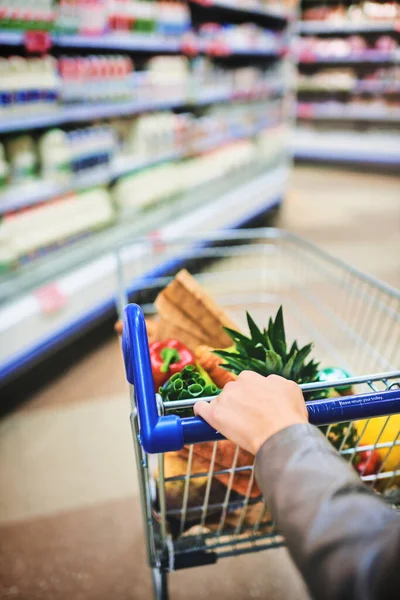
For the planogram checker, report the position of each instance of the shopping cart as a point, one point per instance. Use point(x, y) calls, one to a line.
point(194, 512)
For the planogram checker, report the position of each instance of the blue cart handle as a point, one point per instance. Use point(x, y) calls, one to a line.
point(169, 433)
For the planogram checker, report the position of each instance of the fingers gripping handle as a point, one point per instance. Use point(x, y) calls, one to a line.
point(169, 433)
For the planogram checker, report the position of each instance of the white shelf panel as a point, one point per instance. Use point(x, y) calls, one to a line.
point(367, 56)
point(346, 27)
point(276, 11)
point(89, 291)
point(347, 146)
point(320, 112)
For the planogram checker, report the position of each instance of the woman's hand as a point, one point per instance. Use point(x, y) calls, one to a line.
point(253, 408)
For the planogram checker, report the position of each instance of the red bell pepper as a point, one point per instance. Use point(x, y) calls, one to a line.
point(168, 358)
point(368, 463)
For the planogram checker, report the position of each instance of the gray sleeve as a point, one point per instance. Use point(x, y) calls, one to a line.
point(343, 538)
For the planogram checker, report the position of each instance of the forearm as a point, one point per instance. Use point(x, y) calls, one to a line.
point(343, 538)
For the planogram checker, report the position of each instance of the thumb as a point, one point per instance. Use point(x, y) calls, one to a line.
point(203, 409)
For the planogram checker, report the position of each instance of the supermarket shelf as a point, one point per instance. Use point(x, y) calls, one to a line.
point(130, 42)
point(221, 50)
point(38, 192)
point(346, 27)
point(90, 112)
point(372, 87)
point(319, 112)
point(367, 56)
point(274, 12)
point(11, 38)
point(86, 290)
point(350, 147)
point(85, 112)
point(138, 43)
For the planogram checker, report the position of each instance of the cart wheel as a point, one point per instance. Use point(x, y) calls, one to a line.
point(160, 585)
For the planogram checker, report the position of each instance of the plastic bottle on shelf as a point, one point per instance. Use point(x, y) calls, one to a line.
point(145, 16)
point(5, 88)
point(93, 15)
point(48, 80)
point(23, 159)
point(4, 169)
point(55, 155)
point(18, 68)
point(68, 16)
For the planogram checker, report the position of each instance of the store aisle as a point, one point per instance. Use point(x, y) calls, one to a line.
point(70, 522)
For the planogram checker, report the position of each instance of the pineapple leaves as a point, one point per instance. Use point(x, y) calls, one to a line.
point(298, 363)
point(277, 334)
point(287, 369)
point(265, 352)
point(273, 363)
point(255, 333)
point(235, 335)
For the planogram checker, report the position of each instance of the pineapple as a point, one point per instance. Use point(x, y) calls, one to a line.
point(266, 353)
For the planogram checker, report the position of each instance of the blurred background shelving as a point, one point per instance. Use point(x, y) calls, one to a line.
point(120, 120)
point(348, 82)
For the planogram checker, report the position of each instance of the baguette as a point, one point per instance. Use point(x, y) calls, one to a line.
point(172, 314)
point(197, 306)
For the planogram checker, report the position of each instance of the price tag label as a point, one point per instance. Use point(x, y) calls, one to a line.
point(190, 48)
point(218, 48)
point(51, 299)
point(156, 241)
point(307, 57)
point(38, 41)
point(305, 111)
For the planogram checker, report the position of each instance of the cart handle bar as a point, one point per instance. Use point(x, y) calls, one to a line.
point(170, 433)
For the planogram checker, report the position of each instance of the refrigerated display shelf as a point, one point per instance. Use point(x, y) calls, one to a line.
point(86, 289)
point(367, 56)
point(138, 43)
point(38, 192)
point(347, 146)
point(371, 87)
point(91, 112)
point(274, 11)
point(128, 42)
point(320, 113)
point(346, 27)
point(85, 112)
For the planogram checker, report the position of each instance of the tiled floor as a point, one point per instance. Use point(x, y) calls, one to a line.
point(70, 522)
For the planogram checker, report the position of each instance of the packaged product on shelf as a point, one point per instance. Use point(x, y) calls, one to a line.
point(28, 85)
point(23, 159)
point(4, 169)
point(220, 39)
point(168, 77)
point(68, 16)
point(163, 182)
point(154, 135)
point(43, 228)
point(91, 148)
point(96, 78)
point(27, 14)
point(55, 155)
point(173, 18)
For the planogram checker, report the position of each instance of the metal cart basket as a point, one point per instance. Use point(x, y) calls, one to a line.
point(196, 508)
